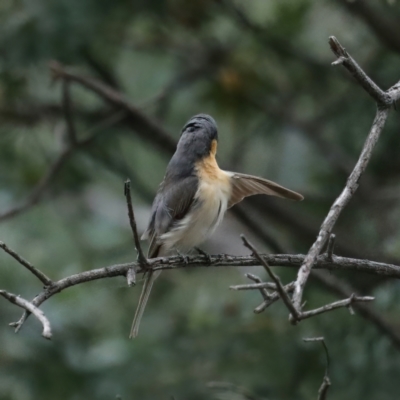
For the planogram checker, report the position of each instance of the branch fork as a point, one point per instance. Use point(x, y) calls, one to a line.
point(384, 102)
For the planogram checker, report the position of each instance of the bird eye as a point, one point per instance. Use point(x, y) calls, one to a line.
point(190, 127)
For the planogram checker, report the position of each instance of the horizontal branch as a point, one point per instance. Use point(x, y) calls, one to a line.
point(337, 304)
point(28, 306)
point(214, 261)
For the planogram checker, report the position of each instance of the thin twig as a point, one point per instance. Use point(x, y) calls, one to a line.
point(326, 382)
point(275, 278)
point(145, 127)
point(43, 185)
point(257, 280)
point(333, 306)
point(39, 274)
point(342, 288)
point(28, 306)
point(344, 58)
point(141, 257)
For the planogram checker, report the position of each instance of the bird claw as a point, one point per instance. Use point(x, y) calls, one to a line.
point(185, 259)
point(203, 253)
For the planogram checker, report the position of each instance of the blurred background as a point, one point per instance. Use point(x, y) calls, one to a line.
point(262, 70)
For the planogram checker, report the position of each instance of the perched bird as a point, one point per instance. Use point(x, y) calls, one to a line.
point(193, 197)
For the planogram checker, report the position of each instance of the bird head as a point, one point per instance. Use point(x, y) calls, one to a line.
point(199, 136)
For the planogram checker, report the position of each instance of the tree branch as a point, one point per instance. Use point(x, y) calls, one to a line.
point(216, 261)
point(145, 127)
point(344, 58)
point(39, 274)
point(279, 287)
point(141, 257)
point(384, 100)
point(20, 302)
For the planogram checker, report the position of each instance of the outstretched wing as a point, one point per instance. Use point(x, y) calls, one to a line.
point(171, 204)
point(248, 185)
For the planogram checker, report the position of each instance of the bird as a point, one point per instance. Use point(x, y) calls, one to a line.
point(193, 197)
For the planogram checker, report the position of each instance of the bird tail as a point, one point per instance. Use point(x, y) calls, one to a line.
point(144, 297)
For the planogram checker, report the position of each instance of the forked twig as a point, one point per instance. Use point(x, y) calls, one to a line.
point(28, 306)
point(279, 287)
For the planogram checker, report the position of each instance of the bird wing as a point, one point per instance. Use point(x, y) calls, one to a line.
point(171, 204)
point(248, 185)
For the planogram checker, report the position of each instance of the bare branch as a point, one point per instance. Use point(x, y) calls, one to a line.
point(339, 204)
point(333, 306)
point(141, 257)
point(275, 278)
point(216, 261)
point(39, 274)
point(326, 382)
point(263, 291)
point(384, 100)
point(344, 58)
point(271, 299)
point(20, 302)
point(145, 127)
point(342, 288)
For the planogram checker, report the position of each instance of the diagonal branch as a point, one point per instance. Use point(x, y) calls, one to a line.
point(381, 97)
point(279, 287)
point(145, 127)
point(384, 103)
point(31, 308)
point(39, 274)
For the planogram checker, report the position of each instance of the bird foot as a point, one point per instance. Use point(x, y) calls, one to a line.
point(185, 259)
point(203, 253)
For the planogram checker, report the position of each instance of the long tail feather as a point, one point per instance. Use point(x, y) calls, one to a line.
point(144, 297)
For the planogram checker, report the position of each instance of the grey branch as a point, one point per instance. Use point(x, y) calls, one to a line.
point(141, 257)
point(333, 306)
point(279, 287)
point(344, 58)
point(384, 100)
point(39, 274)
point(215, 261)
point(263, 290)
point(28, 306)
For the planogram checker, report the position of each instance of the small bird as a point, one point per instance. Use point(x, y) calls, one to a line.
point(194, 196)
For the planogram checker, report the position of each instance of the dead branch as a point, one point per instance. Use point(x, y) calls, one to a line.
point(215, 261)
point(279, 287)
point(39, 274)
point(384, 101)
point(28, 306)
point(141, 257)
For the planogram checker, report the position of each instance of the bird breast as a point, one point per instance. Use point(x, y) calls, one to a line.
point(211, 202)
